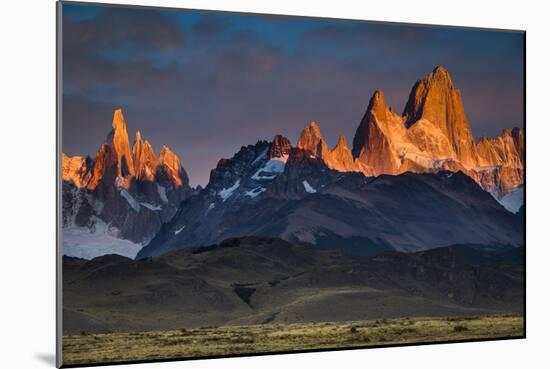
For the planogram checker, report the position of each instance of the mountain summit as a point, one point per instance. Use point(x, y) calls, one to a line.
point(435, 99)
point(118, 139)
point(373, 140)
point(311, 140)
point(145, 160)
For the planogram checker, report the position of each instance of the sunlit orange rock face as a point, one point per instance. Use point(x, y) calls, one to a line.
point(115, 163)
point(373, 144)
point(105, 166)
point(340, 157)
point(169, 165)
point(502, 161)
point(507, 149)
point(118, 139)
point(436, 100)
point(74, 169)
point(432, 134)
point(312, 141)
point(145, 160)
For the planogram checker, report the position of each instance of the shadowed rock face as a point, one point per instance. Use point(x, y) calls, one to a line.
point(280, 147)
point(258, 280)
point(308, 202)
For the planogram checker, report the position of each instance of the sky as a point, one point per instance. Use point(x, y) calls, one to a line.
point(206, 83)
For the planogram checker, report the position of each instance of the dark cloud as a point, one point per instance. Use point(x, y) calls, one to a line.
point(115, 26)
point(117, 45)
point(371, 34)
point(210, 25)
point(245, 36)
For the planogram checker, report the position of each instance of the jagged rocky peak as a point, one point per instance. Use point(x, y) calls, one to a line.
point(137, 148)
point(519, 139)
point(340, 157)
point(169, 166)
point(506, 149)
point(280, 147)
point(137, 139)
point(435, 99)
point(74, 169)
point(311, 140)
point(118, 139)
point(134, 192)
point(377, 105)
point(342, 143)
point(430, 99)
point(145, 160)
point(167, 157)
point(361, 138)
point(372, 143)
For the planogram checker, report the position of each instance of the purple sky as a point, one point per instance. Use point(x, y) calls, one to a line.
point(206, 84)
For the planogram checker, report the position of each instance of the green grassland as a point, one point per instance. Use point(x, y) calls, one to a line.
point(263, 338)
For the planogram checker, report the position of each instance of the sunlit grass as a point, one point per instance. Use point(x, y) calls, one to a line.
point(210, 341)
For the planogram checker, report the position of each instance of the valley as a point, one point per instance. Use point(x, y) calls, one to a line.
point(256, 280)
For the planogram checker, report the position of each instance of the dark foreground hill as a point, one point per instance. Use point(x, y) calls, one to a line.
point(263, 280)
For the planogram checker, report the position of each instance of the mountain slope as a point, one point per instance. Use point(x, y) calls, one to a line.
point(304, 200)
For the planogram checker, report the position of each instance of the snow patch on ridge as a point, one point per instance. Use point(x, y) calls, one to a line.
point(151, 206)
point(162, 193)
point(308, 187)
point(130, 199)
point(255, 192)
point(226, 193)
point(178, 231)
point(271, 168)
point(210, 207)
point(261, 156)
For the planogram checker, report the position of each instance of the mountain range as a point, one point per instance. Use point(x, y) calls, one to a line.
point(432, 134)
point(409, 182)
point(118, 200)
